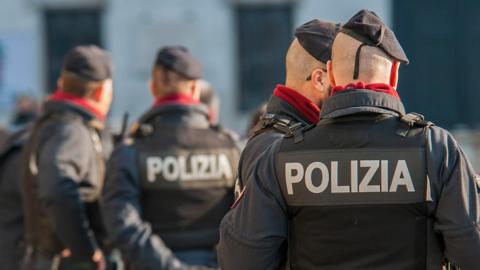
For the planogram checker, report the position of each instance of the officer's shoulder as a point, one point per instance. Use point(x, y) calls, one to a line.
point(296, 133)
point(222, 130)
point(127, 144)
point(64, 127)
point(74, 126)
point(269, 135)
point(442, 137)
point(439, 138)
point(123, 151)
point(262, 141)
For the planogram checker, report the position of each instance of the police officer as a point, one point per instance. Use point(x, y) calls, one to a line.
point(295, 104)
point(210, 98)
point(370, 187)
point(11, 211)
point(168, 189)
point(63, 163)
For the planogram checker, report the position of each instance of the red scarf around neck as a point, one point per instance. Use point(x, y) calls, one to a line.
point(176, 98)
point(62, 96)
point(306, 107)
point(377, 87)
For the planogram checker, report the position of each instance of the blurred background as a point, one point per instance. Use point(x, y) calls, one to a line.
point(242, 44)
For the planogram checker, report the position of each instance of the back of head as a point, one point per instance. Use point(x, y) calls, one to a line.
point(375, 65)
point(299, 65)
point(175, 71)
point(366, 50)
point(84, 69)
point(310, 50)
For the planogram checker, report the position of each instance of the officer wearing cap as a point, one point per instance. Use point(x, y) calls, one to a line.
point(297, 103)
point(370, 187)
point(63, 167)
point(168, 188)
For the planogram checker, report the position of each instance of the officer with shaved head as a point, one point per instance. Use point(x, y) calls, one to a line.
point(369, 187)
point(297, 103)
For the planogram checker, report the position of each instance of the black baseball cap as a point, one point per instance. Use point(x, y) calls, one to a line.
point(88, 62)
point(366, 27)
point(316, 37)
point(179, 60)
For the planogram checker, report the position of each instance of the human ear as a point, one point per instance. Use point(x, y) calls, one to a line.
point(97, 94)
point(319, 79)
point(151, 87)
point(331, 78)
point(60, 83)
point(195, 90)
point(394, 74)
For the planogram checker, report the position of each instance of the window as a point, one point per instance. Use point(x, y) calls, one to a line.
point(66, 28)
point(264, 34)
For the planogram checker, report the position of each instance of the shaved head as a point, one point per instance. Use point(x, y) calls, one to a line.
point(375, 66)
point(299, 65)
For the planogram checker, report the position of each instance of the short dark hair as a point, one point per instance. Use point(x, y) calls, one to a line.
point(77, 86)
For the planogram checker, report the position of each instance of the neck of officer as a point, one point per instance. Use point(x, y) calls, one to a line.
point(309, 111)
point(84, 103)
point(376, 87)
point(179, 98)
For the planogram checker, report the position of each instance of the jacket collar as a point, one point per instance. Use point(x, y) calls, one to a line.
point(360, 101)
point(54, 107)
point(281, 108)
point(193, 115)
point(62, 107)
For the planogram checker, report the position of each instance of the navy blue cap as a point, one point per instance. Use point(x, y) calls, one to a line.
point(179, 60)
point(368, 28)
point(316, 37)
point(88, 62)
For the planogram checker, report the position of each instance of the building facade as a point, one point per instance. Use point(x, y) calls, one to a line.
point(242, 44)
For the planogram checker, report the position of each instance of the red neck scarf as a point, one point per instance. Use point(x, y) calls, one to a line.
point(377, 87)
point(306, 107)
point(62, 96)
point(175, 98)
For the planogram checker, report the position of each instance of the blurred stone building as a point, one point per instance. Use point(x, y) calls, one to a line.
point(242, 44)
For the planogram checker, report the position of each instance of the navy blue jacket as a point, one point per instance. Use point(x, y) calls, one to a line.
point(122, 206)
point(63, 163)
point(254, 234)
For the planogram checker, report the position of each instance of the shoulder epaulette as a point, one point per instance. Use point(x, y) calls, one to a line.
point(225, 131)
point(297, 130)
point(272, 121)
point(412, 120)
point(143, 130)
point(283, 125)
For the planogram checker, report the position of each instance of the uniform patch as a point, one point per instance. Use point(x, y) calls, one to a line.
point(346, 177)
point(199, 168)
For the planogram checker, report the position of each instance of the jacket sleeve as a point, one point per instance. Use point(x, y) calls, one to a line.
point(122, 215)
point(63, 162)
point(253, 235)
point(457, 216)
